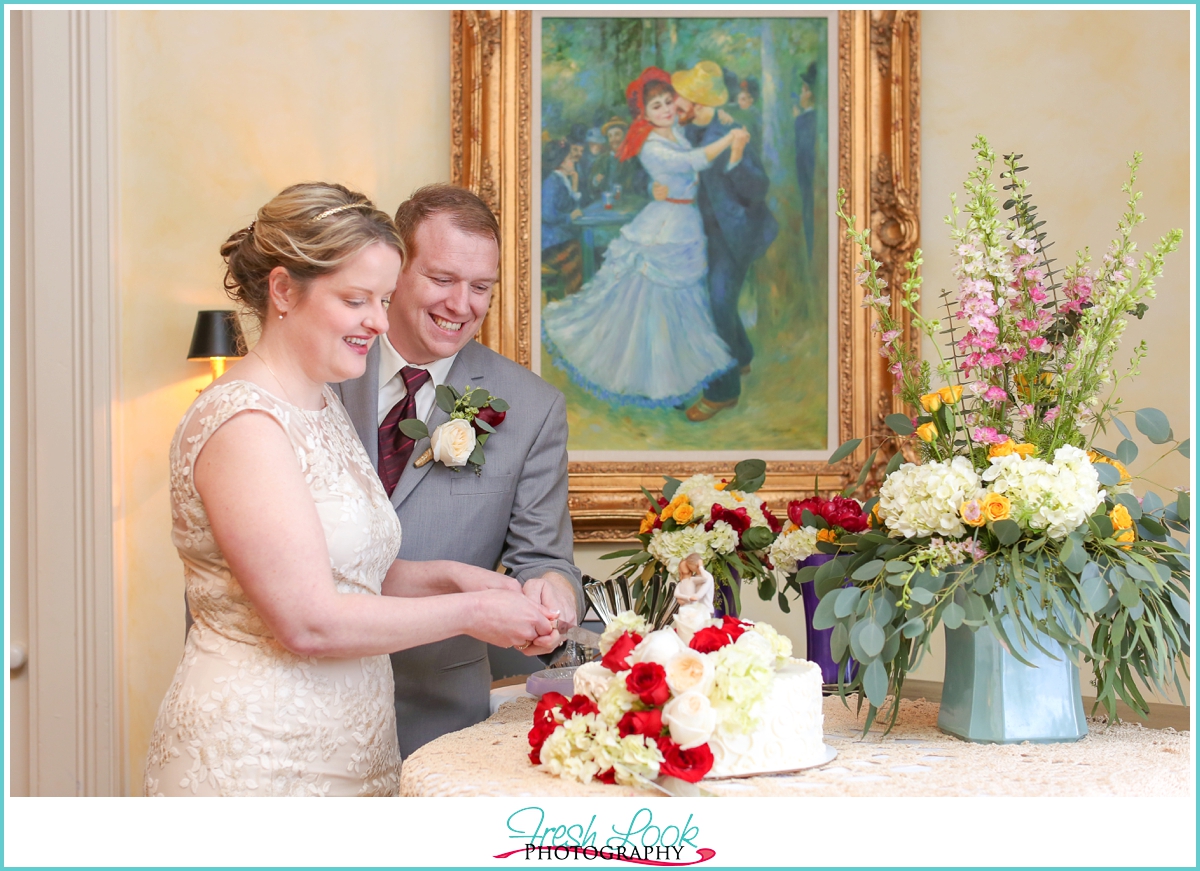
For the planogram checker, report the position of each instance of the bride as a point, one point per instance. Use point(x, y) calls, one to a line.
point(288, 541)
point(641, 331)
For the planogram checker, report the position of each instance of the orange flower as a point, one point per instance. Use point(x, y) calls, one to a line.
point(672, 509)
point(647, 523)
point(1023, 450)
point(971, 512)
point(684, 513)
point(950, 395)
point(927, 432)
point(1129, 535)
point(826, 535)
point(1120, 518)
point(1117, 464)
point(931, 402)
point(996, 507)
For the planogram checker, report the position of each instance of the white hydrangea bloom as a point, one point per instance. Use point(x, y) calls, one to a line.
point(741, 681)
point(924, 500)
point(702, 492)
point(792, 547)
point(781, 645)
point(1056, 497)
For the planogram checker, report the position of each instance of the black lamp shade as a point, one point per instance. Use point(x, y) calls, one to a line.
point(217, 334)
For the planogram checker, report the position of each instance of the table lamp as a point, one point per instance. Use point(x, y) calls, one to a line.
point(217, 335)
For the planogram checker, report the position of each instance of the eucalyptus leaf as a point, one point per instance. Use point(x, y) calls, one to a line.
point(1185, 448)
point(844, 450)
point(1107, 473)
point(871, 639)
point(498, 404)
point(1181, 607)
point(875, 683)
point(868, 570)
point(477, 398)
point(823, 617)
point(414, 429)
point(1127, 451)
point(670, 486)
point(912, 627)
point(839, 640)
point(1006, 531)
point(1153, 424)
point(920, 595)
point(445, 397)
point(846, 600)
point(1094, 593)
point(895, 462)
point(1124, 430)
point(483, 425)
point(953, 615)
point(1072, 554)
point(1129, 595)
point(1183, 506)
point(900, 424)
point(477, 458)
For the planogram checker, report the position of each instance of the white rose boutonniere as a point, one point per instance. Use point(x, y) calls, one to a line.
point(474, 416)
point(452, 442)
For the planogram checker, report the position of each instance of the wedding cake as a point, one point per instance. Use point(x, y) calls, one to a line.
point(702, 697)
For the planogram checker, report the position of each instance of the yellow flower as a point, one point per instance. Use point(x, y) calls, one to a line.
point(1120, 518)
point(826, 535)
point(996, 507)
point(672, 509)
point(788, 526)
point(720, 486)
point(1117, 464)
point(927, 432)
point(684, 513)
point(875, 515)
point(971, 512)
point(931, 402)
point(950, 395)
point(647, 523)
point(1129, 535)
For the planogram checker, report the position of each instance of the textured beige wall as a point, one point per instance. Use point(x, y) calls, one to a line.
point(1076, 92)
point(219, 110)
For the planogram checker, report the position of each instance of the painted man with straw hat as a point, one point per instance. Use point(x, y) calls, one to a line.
point(737, 223)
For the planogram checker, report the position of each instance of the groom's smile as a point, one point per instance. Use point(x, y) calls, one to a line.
point(443, 291)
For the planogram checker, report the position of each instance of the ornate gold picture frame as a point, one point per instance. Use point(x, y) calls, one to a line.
point(495, 129)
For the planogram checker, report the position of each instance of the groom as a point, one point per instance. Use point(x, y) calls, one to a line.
point(515, 511)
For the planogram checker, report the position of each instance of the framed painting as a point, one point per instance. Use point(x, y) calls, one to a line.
point(671, 261)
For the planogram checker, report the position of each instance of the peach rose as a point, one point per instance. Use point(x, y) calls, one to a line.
point(996, 507)
point(1120, 518)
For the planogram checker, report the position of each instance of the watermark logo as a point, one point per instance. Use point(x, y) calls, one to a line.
point(642, 840)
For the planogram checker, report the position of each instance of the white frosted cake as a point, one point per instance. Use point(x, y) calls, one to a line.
point(790, 733)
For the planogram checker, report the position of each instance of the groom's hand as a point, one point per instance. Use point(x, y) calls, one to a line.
point(556, 596)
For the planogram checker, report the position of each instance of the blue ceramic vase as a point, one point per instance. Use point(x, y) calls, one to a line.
point(989, 697)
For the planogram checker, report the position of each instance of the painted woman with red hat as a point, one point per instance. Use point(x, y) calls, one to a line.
point(641, 331)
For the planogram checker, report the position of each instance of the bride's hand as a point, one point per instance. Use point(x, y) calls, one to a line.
point(509, 619)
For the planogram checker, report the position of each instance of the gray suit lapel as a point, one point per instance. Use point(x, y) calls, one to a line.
point(466, 368)
point(361, 398)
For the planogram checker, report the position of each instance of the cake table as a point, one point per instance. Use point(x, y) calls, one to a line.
point(915, 759)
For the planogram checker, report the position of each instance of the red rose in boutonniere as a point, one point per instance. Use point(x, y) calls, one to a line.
point(474, 416)
point(648, 681)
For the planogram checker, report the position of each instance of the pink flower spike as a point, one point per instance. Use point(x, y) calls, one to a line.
point(1037, 294)
point(1037, 343)
point(1018, 355)
point(995, 394)
point(1051, 415)
point(890, 336)
point(988, 436)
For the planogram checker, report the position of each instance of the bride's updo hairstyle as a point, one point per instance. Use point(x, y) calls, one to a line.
point(309, 229)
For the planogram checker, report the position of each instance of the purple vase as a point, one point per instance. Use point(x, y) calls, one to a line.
point(818, 639)
point(719, 599)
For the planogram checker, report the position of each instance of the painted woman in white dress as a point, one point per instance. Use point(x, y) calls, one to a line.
point(288, 541)
point(641, 331)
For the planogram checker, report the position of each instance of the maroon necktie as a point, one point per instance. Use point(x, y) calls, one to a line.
point(394, 446)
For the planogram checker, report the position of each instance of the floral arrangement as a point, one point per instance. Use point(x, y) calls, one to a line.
point(474, 416)
point(650, 706)
point(1013, 511)
point(724, 521)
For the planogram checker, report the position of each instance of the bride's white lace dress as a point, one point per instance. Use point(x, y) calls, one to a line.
point(243, 716)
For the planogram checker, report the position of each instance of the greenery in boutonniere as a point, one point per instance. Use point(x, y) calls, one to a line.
point(474, 416)
point(1013, 518)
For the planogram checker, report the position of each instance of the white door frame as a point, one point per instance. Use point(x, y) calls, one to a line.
point(63, 399)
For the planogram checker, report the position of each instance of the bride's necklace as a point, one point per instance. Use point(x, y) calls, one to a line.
point(278, 381)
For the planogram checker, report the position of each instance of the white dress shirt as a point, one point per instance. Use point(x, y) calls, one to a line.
point(391, 385)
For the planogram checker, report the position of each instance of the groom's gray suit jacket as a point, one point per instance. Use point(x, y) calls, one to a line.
point(515, 512)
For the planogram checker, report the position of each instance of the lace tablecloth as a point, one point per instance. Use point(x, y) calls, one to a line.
point(1125, 759)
